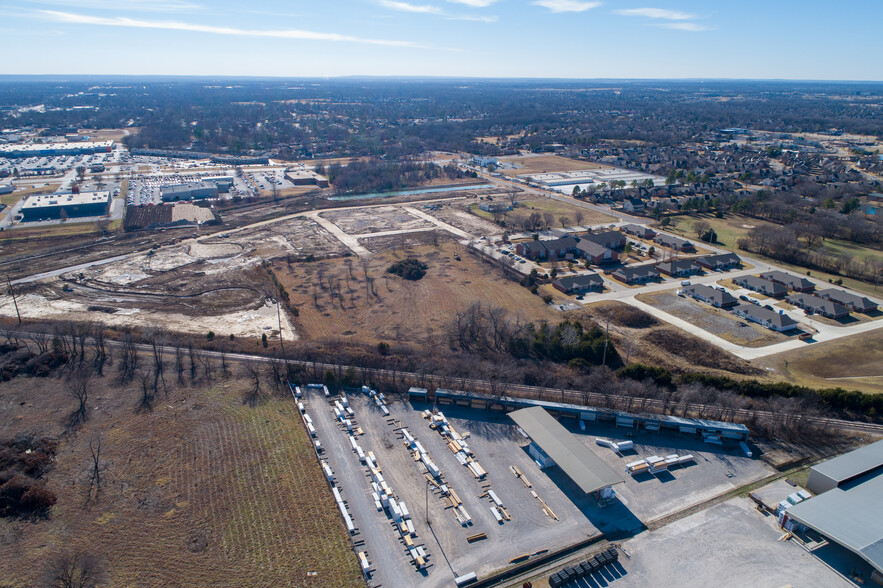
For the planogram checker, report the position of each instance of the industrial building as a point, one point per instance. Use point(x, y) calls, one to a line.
point(222, 182)
point(552, 444)
point(55, 206)
point(848, 510)
point(44, 149)
point(193, 191)
point(649, 422)
point(306, 178)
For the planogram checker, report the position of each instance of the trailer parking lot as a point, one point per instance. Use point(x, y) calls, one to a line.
point(528, 532)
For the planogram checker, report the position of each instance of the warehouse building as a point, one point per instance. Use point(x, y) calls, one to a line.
point(194, 191)
point(552, 444)
point(306, 178)
point(55, 206)
point(849, 511)
point(44, 149)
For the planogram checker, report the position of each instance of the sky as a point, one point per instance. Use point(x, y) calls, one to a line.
point(743, 39)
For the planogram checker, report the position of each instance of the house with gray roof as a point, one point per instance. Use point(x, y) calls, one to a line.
point(796, 283)
point(762, 286)
point(609, 239)
point(679, 267)
point(720, 262)
point(550, 248)
point(820, 306)
point(852, 301)
point(673, 242)
point(637, 274)
point(713, 296)
point(579, 284)
point(638, 231)
point(776, 321)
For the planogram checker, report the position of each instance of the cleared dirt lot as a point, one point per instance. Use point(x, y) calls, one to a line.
point(719, 322)
point(533, 164)
point(375, 220)
point(398, 310)
point(199, 491)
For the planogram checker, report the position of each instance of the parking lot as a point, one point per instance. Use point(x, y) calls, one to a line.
point(495, 444)
point(550, 514)
point(728, 545)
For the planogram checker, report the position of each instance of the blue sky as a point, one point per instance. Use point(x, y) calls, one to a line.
point(789, 39)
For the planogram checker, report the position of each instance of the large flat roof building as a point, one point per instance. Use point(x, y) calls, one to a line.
point(43, 149)
point(849, 510)
point(585, 468)
point(54, 206)
point(194, 191)
point(841, 470)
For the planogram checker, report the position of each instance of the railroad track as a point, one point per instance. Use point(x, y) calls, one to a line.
point(496, 390)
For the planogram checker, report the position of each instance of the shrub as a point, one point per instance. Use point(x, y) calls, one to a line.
point(410, 269)
point(37, 499)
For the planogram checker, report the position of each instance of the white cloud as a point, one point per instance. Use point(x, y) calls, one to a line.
point(685, 26)
point(567, 5)
point(406, 7)
point(473, 18)
point(122, 21)
point(131, 5)
point(474, 3)
point(660, 13)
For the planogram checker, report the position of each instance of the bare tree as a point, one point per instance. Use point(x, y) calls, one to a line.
point(253, 395)
point(578, 217)
point(95, 449)
point(78, 387)
point(75, 570)
point(564, 220)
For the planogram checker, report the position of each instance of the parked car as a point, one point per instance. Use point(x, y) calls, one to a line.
point(685, 283)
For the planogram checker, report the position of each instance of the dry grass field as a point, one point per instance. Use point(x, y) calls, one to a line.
point(537, 164)
point(853, 363)
point(201, 491)
point(399, 311)
point(554, 207)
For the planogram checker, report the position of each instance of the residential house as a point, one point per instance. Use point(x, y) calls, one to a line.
point(548, 249)
point(720, 262)
point(856, 303)
point(765, 287)
point(716, 297)
point(635, 205)
point(595, 253)
point(820, 306)
point(579, 284)
point(638, 231)
point(609, 239)
point(637, 274)
point(679, 267)
point(777, 321)
point(796, 283)
point(673, 242)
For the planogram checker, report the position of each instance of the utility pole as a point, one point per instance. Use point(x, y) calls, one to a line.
point(606, 337)
point(279, 318)
point(14, 301)
point(426, 506)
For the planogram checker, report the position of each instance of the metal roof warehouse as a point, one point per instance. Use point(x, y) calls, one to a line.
point(649, 422)
point(576, 460)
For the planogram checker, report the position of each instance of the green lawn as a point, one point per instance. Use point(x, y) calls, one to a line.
point(730, 229)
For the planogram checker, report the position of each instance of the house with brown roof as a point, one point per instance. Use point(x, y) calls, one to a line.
point(595, 253)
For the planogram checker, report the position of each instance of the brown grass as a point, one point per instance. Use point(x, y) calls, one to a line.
point(200, 491)
point(853, 363)
point(403, 311)
point(695, 351)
